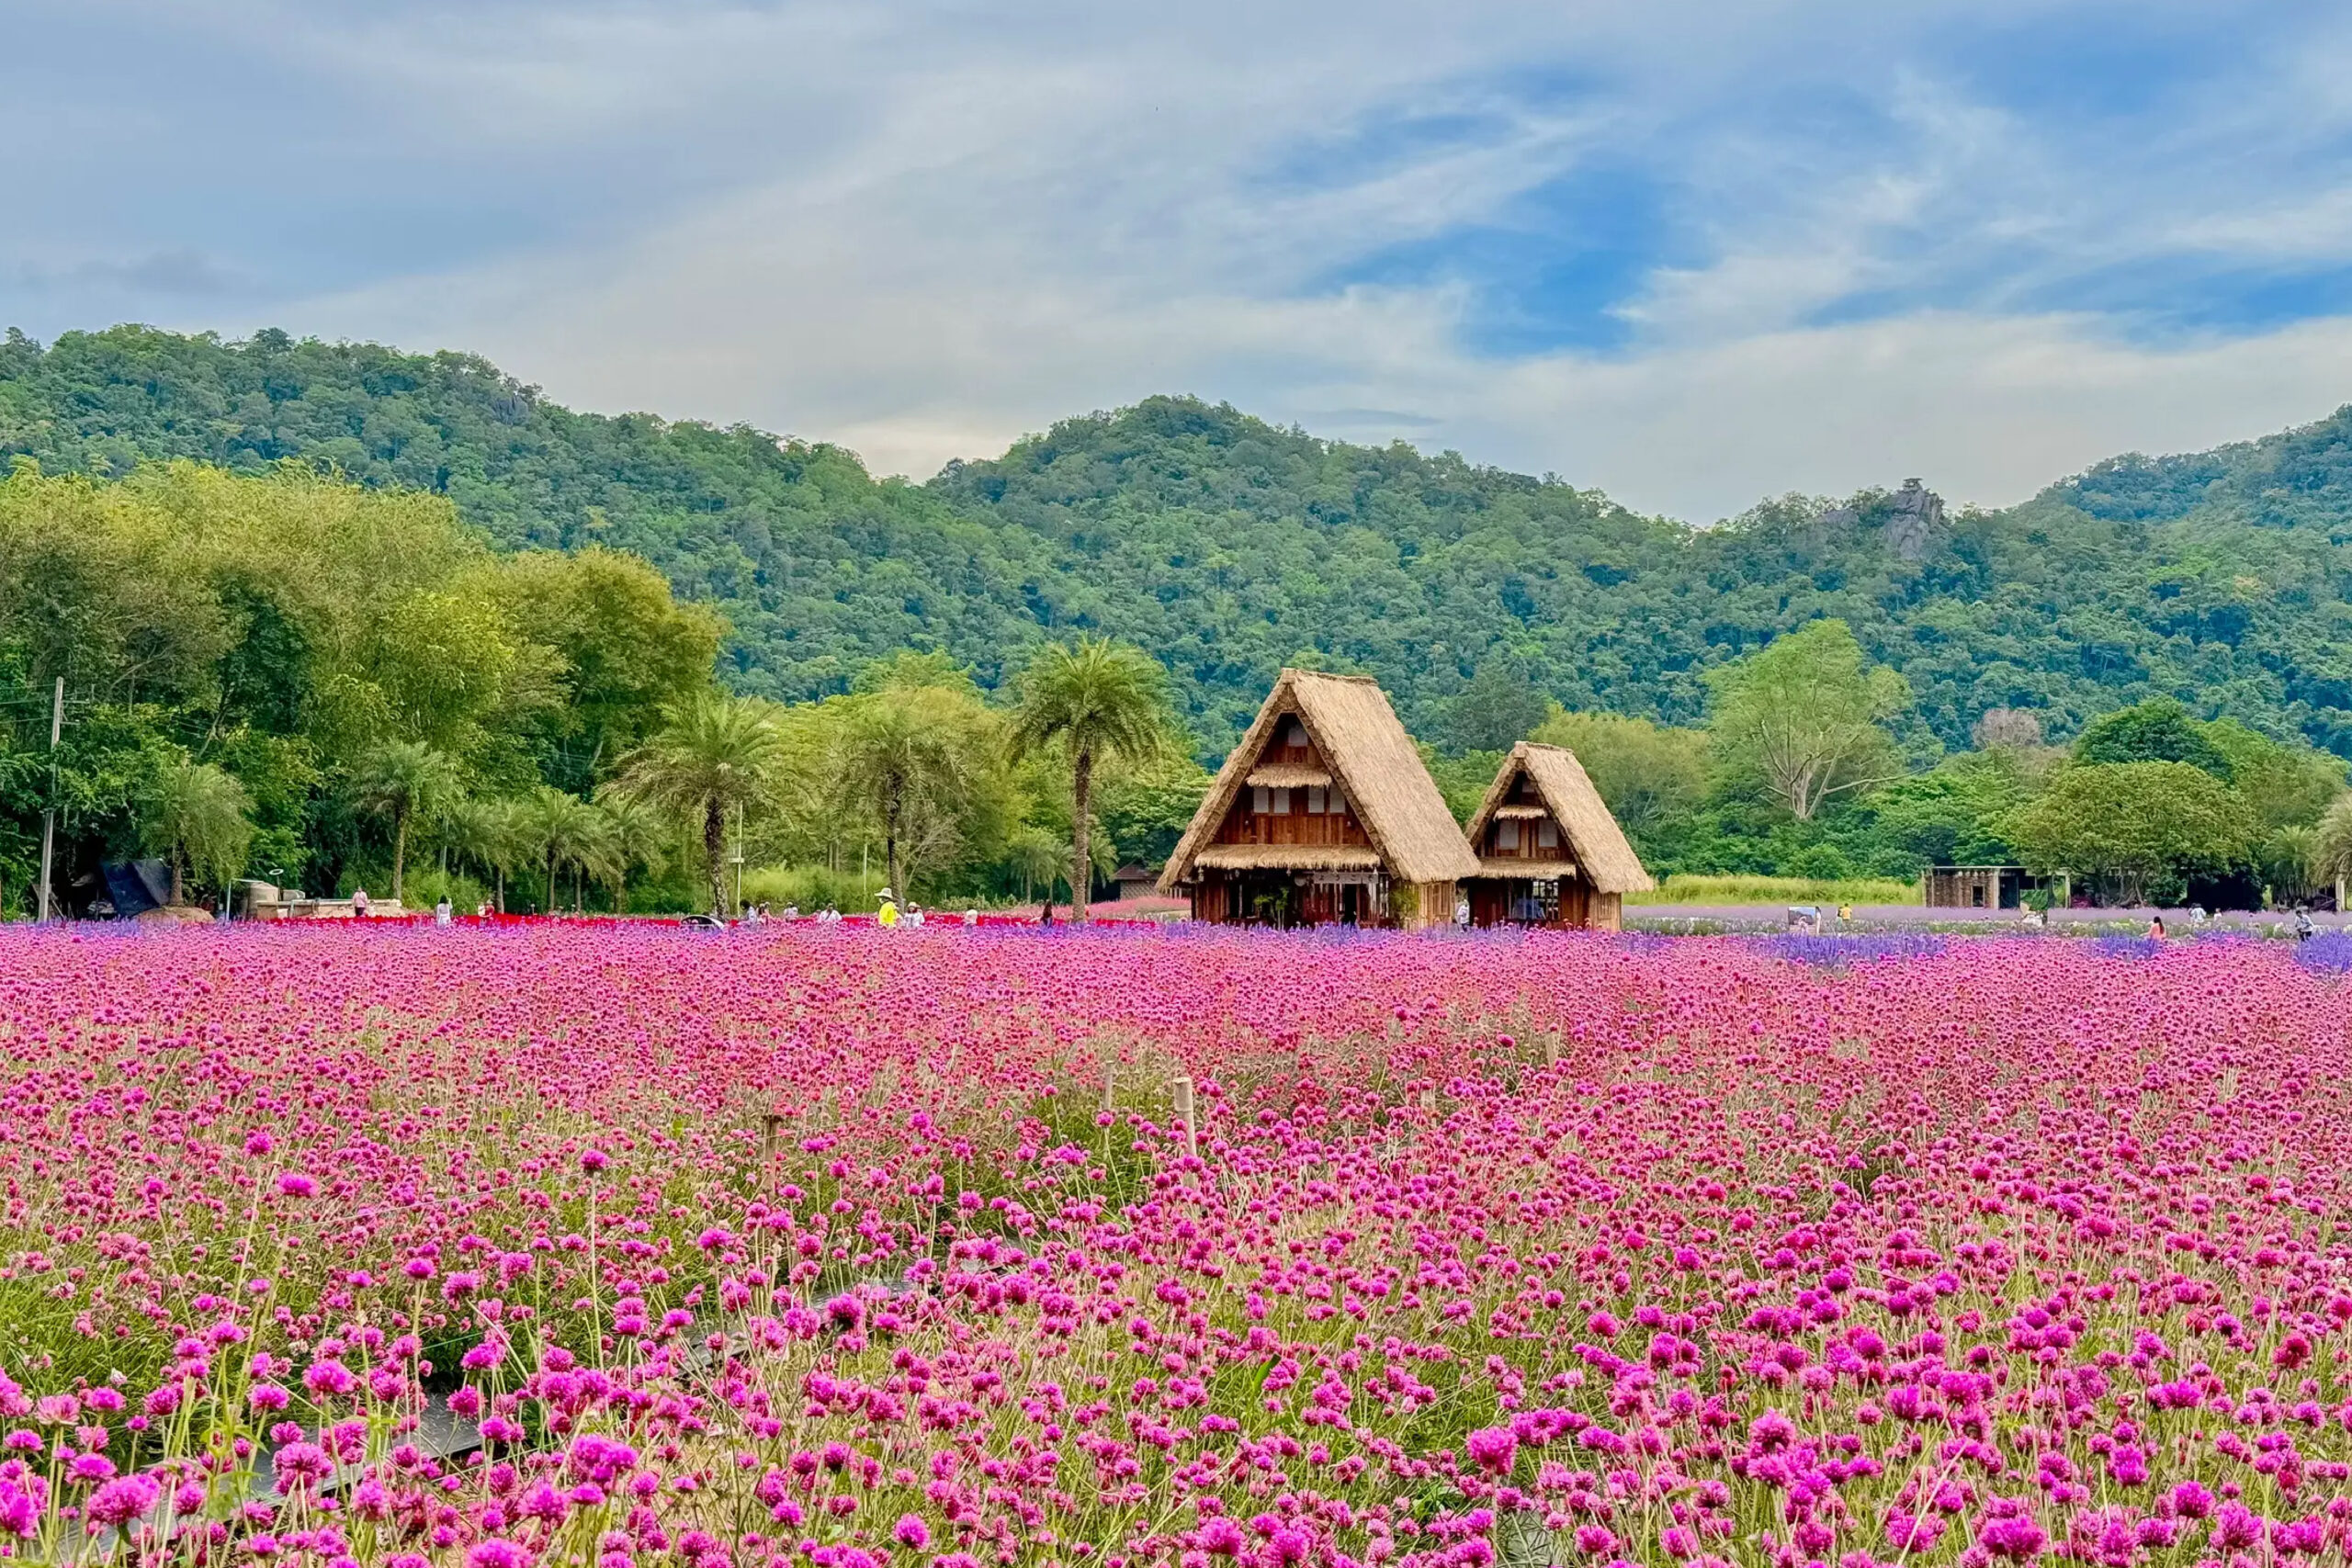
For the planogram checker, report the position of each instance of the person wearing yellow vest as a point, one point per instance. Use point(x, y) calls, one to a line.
point(887, 915)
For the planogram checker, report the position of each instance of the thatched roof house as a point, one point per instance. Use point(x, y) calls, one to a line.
point(1322, 814)
point(1549, 851)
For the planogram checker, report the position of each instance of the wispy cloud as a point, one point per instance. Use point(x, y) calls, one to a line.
point(169, 273)
point(1691, 251)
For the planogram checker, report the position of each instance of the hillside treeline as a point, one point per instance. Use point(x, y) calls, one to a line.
point(1230, 548)
point(328, 687)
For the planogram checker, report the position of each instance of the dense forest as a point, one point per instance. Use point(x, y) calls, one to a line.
point(1226, 547)
point(334, 615)
point(324, 685)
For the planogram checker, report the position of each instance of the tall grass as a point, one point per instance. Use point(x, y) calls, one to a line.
point(1684, 888)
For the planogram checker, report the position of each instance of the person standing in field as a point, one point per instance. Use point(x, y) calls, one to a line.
point(2157, 928)
point(360, 904)
point(887, 915)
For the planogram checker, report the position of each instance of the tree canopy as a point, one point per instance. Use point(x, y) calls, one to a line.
point(1806, 716)
point(2141, 828)
point(1226, 546)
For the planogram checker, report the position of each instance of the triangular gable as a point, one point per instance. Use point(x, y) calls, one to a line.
point(1607, 860)
point(1376, 764)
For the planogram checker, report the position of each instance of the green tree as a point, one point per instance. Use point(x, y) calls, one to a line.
point(2159, 731)
point(403, 780)
point(2285, 785)
point(491, 834)
point(1804, 717)
point(2286, 858)
point(635, 835)
point(2134, 829)
point(903, 756)
point(1496, 711)
point(1091, 701)
point(1037, 857)
point(627, 650)
point(1648, 773)
point(1145, 811)
point(200, 817)
point(714, 754)
point(565, 832)
point(2331, 849)
point(1956, 812)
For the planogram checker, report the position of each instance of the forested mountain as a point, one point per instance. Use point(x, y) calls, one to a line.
point(1228, 547)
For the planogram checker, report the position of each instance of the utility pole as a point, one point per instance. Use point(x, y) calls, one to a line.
point(49, 818)
point(739, 858)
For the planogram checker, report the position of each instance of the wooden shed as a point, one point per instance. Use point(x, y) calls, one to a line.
point(1549, 851)
point(1322, 815)
point(1979, 886)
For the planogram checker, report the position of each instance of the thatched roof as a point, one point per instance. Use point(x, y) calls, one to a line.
point(1369, 755)
point(1288, 857)
point(1286, 775)
point(1515, 870)
point(1607, 861)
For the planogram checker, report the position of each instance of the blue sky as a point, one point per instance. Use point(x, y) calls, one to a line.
point(1688, 251)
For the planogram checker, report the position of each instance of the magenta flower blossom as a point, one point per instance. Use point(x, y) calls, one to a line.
point(302, 1465)
point(121, 1500)
point(816, 1248)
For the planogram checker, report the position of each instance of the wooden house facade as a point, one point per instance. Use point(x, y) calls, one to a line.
point(1549, 852)
point(1322, 815)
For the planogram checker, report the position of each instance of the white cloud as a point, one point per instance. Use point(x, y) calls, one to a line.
point(923, 229)
point(1987, 409)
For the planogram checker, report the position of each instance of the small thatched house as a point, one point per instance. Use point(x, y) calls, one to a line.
point(1322, 815)
point(1549, 852)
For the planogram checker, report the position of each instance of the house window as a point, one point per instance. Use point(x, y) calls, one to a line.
point(1281, 801)
point(1314, 800)
point(1547, 834)
point(1336, 802)
point(1258, 804)
point(1507, 835)
point(1295, 734)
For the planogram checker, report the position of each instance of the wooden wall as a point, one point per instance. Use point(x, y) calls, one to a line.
point(1287, 819)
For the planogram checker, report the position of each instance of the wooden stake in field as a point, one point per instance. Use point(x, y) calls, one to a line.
point(1180, 1091)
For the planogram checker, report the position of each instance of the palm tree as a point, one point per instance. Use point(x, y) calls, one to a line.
point(490, 834)
point(901, 757)
point(2284, 859)
point(2332, 846)
point(199, 816)
point(562, 830)
point(635, 835)
point(713, 753)
point(398, 779)
point(1095, 700)
point(1038, 856)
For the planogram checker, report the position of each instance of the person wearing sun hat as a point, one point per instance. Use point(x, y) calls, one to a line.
point(887, 915)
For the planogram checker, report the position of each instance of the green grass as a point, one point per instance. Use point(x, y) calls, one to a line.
point(1689, 890)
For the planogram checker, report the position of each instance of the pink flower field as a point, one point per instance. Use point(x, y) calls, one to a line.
point(851, 1249)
